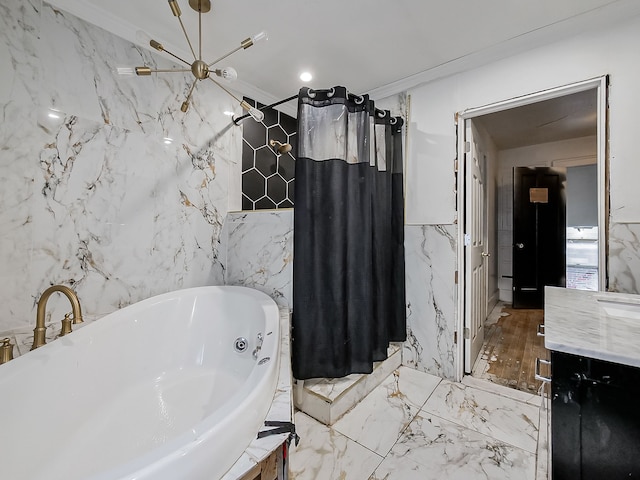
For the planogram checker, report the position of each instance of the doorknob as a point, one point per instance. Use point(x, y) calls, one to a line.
point(485, 254)
point(520, 245)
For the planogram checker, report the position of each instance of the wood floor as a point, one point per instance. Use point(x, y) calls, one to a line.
point(511, 347)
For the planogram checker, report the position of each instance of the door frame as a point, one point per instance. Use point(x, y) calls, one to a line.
point(600, 85)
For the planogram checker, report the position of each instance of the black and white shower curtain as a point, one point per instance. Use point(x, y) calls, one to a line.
point(348, 269)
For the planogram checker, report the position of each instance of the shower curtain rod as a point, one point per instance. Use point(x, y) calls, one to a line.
point(380, 113)
point(236, 120)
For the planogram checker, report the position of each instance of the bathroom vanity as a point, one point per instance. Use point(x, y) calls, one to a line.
point(594, 338)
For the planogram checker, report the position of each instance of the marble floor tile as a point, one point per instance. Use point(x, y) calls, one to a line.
point(502, 418)
point(398, 468)
point(379, 419)
point(482, 384)
point(433, 448)
point(324, 453)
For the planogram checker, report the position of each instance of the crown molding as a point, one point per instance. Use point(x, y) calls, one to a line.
point(601, 18)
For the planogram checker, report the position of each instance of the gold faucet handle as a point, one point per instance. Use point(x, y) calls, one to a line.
point(6, 351)
point(66, 325)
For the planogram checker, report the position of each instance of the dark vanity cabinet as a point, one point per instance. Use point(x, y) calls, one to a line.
point(595, 419)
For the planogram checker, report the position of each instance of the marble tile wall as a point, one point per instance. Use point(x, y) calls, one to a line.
point(624, 257)
point(259, 252)
point(259, 248)
point(430, 262)
point(95, 198)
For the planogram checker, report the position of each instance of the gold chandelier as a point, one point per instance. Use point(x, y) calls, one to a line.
point(200, 69)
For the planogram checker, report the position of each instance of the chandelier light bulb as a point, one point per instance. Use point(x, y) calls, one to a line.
point(256, 114)
point(126, 71)
point(260, 36)
point(306, 76)
point(228, 73)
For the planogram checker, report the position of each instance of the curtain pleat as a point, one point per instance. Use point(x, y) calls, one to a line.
point(344, 250)
point(398, 321)
point(382, 235)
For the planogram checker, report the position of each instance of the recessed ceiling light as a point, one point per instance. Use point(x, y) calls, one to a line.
point(228, 113)
point(168, 140)
point(306, 76)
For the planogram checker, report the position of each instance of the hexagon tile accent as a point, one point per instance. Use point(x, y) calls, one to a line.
point(267, 178)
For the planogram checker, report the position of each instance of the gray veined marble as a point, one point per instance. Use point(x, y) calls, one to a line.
point(324, 453)
point(434, 448)
point(260, 252)
point(18, 48)
point(601, 325)
point(624, 257)
point(460, 432)
point(430, 253)
point(502, 418)
point(396, 104)
point(94, 197)
point(382, 416)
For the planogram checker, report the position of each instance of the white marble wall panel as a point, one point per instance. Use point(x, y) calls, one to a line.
point(19, 31)
point(396, 104)
point(624, 257)
point(430, 252)
point(19, 145)
point(260, 252)
point(95, 198)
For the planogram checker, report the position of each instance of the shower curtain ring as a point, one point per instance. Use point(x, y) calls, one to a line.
point(394, 120)
point(358, 99)
point(311, 93)
point(331, 92)
point(382, 113)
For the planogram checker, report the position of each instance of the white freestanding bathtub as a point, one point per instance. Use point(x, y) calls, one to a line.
point(156, 390)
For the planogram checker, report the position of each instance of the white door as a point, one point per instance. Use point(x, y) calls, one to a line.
point(476, 268)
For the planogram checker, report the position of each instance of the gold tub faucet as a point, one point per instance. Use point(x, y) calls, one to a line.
point(39, 331)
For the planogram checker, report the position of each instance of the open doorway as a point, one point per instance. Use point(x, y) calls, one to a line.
point(559, 132)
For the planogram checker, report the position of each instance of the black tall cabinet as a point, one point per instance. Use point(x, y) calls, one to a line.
point(595, 419)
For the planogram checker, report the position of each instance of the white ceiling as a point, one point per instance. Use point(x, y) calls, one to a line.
point(370, 46)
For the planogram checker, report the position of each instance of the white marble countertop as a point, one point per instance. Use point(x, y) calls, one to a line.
point(600, 325)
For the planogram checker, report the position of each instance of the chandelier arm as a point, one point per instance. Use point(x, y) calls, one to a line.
point(223, 88)
point(185, 104)
point(191, 90)
point(184, 30)
point(200, 34)
point(225, 56)
point(176, 57)
point(171, 70)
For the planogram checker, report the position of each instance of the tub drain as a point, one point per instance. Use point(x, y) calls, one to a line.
point(240, 344)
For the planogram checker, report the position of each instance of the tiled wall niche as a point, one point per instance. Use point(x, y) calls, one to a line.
point(268, 177)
